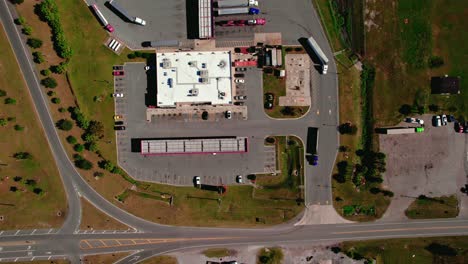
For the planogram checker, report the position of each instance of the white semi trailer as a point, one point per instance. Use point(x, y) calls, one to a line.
point(234, 3)
point(320, 54)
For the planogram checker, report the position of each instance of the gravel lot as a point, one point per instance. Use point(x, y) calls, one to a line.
point(430, 163)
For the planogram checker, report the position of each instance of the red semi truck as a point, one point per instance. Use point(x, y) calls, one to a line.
point(102, 18)
point(241, 23)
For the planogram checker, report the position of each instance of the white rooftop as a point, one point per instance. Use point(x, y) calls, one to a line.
point(193, 77)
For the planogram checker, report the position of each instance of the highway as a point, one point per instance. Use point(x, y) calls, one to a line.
point(150, 238)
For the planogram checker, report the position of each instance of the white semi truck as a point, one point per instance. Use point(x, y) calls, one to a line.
point(237, 10)
point(122, 11)
point(320, 54)
point(234, 3)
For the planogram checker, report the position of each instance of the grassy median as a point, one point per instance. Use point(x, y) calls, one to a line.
point(425, 207)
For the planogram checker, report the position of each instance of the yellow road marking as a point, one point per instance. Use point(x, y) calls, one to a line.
point(400, 229)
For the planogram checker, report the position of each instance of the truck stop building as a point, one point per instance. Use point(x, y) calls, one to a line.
point(193, 78)
point(194, 146)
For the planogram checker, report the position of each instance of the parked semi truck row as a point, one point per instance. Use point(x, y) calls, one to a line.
point(122, 11)
point(102, 19)
point(235, 3)
point(238, 10)
point(320, 54)
point(241, 23)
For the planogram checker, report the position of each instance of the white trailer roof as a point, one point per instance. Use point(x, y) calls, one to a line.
point(194, 146)
point(204, 19)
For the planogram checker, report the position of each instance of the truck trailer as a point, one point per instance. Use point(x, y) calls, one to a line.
point(238, 10)
point(312, 145)
point(235, 3)
point(122, 11)
point(242, 23)
point(320, 54)
point(102, 19)
point(403, 130)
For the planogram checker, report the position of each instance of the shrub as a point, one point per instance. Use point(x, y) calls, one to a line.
point(91, 146)
point(11, 119)
point(49, 82)
point(433, 108)
point(72, 139)
point(137, 53)
point(252, 177)
point(95, 129)
point(336, 250)
point(17, 178)
point(34, 43)
point(3, 93)
point(3, 122)
point(17, 2)
point(347, 128)
point(65, 124)
point(131, 56)
point(340, 178)
point(79, 117)
point(45, 72)
point(106, 165)
point(13, 188)
point(30, 182)
point(22, 155)
point(38, 57)
point(19, 128)
point(55, 100)
point(405, 109)
point(62, 110)
point(83, 164)
point(77, 156)
point(78, 148)
point(98, 174)
point(270, 256)
point(51, 93)
point(20, 21)
point(441, 250)
point(59, 69)
point(38, 191)
point(27, 30)
point(10, 101)
point(374, 190)
point(435, 62)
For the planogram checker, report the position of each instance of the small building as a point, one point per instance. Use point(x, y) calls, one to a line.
point(445, 85)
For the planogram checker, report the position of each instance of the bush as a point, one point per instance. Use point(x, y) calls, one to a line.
point(340, 178)
point(106, 165)
point(38, 191)
point(374, 190)
point(347, 128)
point(10, 101)
point(19, 128)
point(59, 69)
point(131, 56)
point(3, 122)
point(34, 43)
point(72, 139)
point(336, 250)
point(405, 109)
point(47, 11)
point(435, 62)
point(78, 148)
point(38, 57)
point(45, 72)
point(27, 30)
point(98, 174)
point(441, 250)
point(288, 111)
point(91, 146)
point(17, 2)
point(49, 82)
point(62, 110)
point(65, 124)
point(77, 156)
point(137, 53)
point(83, 164)
point(3, 93)
point(11, 119)
point(55, 100)
point(252, 177)
point(13, 188)
point(79, 117)
point(270, 256)
point(51, 93)
point(343, 148)
point(22, 155)
point(20, 21)
point(433, 108)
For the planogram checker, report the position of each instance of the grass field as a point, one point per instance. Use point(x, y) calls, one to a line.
point(218, 252)
point(433, 207)
point(94, 219)
point(412, 250)
point(161, 260)
point(103, 258)
point(405, 35)
point(23, 209)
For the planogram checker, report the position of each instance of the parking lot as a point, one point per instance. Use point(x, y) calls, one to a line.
point(167, 20)
point(429, 163)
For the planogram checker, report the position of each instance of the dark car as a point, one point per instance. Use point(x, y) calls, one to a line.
point(269, 105)
point(241, 69)
point(117, 68)
point(119, 123)
point(119, 128)
point(269, 97)
point(239, 75)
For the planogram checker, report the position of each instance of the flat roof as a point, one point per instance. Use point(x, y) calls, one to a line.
point(193, 77)
point(205, 27)
point(194, 146)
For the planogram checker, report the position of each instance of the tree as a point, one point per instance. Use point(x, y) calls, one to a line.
point(55, 100)
point(433, 108)
point(11, 119)
point(49, 82)
point(96, 128)
point(10, 101)
point(27, 30)
point(343, 148)
point(3, 122)
point(252, 177)
point(204, 115)
point(340, 178)
point(288, 111)
point(106, 165)
point(13, 188)
point(51, 93)
point(72, 139)
point(131, 56)
point(30, 182)
point(405, 109)
point(62, 110)
point(22, 155)
point(20, 21)
point(45, 72)
point(441, 250)
point(347, 128)
point(38, 191)
point(91, 146)
point(17, 2)
point(83, 164)
point(65, 124)
point(98, 174)
point(38, 57)
point(78, 148)
point(435, 62)
point(19, 128)
point(3, 93)
point(374, 190)
point(34, 43)
point(60, 68)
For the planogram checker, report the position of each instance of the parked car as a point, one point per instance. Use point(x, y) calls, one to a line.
point(239, 81)
point(459, 127)
point(241, 69)
point(118, 73)
point(117, 117)
point(148, 67)
point(120, 95)
point(197, 181)
point(436, 121)
point(117, 68)
point(119, 128)
point(269, 105)
point(239, 179)
point(451, 118)
point(239, 75)
point(228, 114)
point(269, 97)
point(444, 120)
point(238, 103)
point(240, 97)
point(119, 123)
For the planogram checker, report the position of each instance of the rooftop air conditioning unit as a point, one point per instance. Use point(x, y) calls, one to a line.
point(166, 63)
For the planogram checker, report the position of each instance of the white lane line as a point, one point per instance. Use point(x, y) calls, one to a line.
point(17, 232)
point(34, 231)
point(49, 231)
point(1, 232)
point(16, 259)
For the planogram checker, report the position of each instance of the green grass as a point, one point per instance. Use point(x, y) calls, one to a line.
point(24, 209)
point(218, 252)
point(270, 256)
point(161, 260)
point(411, 250)
point(433, 207)
point(326, 14)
